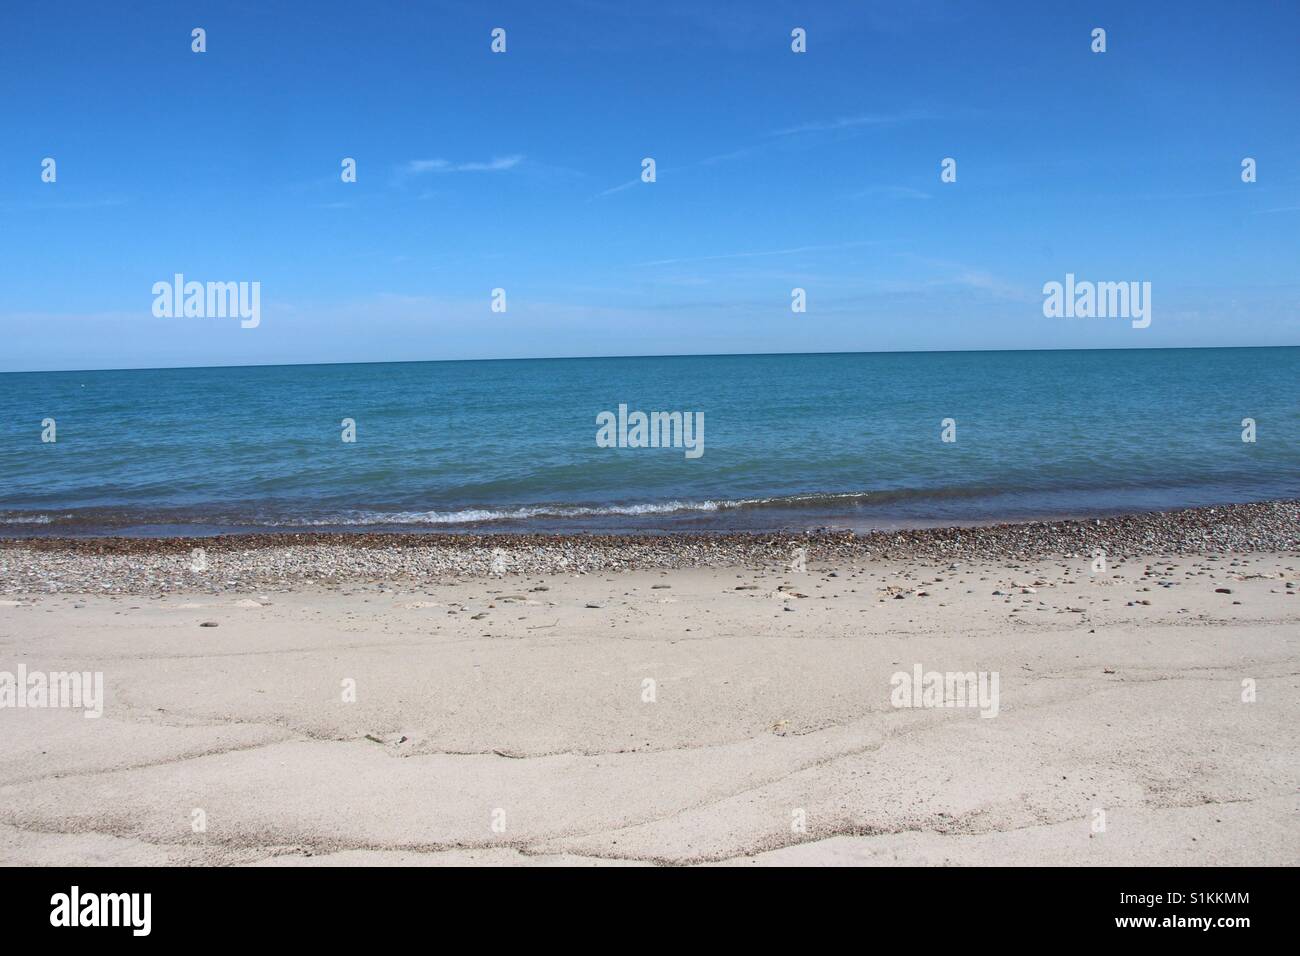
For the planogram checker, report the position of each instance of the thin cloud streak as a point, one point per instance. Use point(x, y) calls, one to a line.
point(751, 255)
point(58, 204)
point(773, 137)
point(891, 192)
point(617, 189)
point(418, 167)
point(850, 122)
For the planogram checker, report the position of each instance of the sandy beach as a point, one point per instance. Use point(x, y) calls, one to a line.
point(663, 701)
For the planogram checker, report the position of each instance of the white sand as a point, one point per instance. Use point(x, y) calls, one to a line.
point(537, 710)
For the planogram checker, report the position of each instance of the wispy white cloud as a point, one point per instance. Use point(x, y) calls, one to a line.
point(751, 255)
point(726, 157)
point(775, 139)
point(851, 122)
point(418, 167)
point(619, 188)
point(960, 275)
point(706, 161)
point(890, 192)
point(63, 204)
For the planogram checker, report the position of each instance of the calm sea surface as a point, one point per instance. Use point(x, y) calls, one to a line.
point(790, 441)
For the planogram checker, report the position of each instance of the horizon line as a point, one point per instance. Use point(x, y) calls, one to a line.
point(588, 358)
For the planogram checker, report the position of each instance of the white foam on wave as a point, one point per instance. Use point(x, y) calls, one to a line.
point(525, 512)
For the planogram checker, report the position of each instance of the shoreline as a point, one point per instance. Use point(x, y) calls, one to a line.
point(687, 519)
point(284, 561)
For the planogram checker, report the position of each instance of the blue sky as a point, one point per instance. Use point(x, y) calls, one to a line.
point(520, 170)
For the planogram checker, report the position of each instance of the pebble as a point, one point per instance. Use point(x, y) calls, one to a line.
point(262, 563)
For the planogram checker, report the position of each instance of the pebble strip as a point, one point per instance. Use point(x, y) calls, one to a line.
point(282, 562)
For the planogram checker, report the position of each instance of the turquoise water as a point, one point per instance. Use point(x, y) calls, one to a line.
point(790, 441)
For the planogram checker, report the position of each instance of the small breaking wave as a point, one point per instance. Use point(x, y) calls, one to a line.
point(558, 511)
point(259, 516)
point(26, 519)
